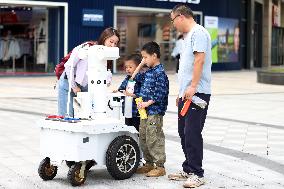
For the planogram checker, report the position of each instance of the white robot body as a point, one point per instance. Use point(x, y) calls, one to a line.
point(97, 76)
point(94, 103)
point(99, 137)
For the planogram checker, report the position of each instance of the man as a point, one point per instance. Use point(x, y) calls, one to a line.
point(194, 80)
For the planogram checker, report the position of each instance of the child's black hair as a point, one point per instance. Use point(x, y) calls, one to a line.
point(151, 48)
point(135, 57)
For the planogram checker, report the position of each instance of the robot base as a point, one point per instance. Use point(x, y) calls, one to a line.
point(86, 143)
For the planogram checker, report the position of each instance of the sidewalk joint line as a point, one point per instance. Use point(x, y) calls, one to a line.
point(263, 162)
point(240, 121)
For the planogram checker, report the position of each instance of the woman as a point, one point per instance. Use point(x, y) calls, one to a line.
point(79, 80)
point(177, 50)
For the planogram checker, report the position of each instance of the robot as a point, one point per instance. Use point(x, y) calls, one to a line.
point(96, 136)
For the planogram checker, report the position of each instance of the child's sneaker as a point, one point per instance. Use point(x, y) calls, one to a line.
point(193, 182)
point(157, 172)
point(179, 176)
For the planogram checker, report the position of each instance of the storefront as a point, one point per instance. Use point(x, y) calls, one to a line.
point(69, 23)
point(31, 38)
point(143, 21)
point(277, 43)
point(264, 25)
point(140, 25)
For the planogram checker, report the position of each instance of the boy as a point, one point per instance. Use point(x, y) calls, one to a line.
point(154, 92)
point(130, 63)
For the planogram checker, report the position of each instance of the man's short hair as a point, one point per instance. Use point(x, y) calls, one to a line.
point(151, 48)
point(183, 10)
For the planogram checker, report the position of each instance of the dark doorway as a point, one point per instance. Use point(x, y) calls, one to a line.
point(257, 39)
point(56, 35)
point(277, 46)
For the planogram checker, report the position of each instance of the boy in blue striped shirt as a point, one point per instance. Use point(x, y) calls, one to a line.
point(154, 92)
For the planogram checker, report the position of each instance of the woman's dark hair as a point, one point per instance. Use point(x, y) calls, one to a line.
point(151, 48)
point(135, 57)
point(107, 33)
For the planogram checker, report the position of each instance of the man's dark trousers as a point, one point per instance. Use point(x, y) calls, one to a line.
point(190, 127)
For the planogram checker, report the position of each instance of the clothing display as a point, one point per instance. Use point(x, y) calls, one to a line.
point(166, 33)
point(23, 41)
point(41, 54)
point(25, 46)
point(123, 42)
point(42, 28)
point(10, 49)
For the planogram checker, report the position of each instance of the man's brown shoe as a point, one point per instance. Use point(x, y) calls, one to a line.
point(145, 169)
point(157, 172)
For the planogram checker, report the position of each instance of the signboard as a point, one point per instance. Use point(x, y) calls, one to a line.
point(225, 40)
point(183, 1)
point(93, 17)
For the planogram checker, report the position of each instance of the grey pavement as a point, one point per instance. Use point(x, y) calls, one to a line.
point(243, 135)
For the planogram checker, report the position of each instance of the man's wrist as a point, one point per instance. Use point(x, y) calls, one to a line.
point(193, 86)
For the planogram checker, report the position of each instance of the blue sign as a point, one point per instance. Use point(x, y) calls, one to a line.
point(93, 17)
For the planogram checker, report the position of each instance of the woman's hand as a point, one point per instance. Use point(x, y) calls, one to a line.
point(76, 89)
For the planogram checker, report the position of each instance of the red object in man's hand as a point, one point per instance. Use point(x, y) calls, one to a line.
point(185, 107)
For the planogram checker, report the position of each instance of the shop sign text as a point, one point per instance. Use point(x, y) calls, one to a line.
point(93, 17)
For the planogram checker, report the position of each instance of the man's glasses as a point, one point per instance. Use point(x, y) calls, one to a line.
point(172, 20)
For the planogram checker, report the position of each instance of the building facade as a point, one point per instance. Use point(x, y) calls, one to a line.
point(34, 35)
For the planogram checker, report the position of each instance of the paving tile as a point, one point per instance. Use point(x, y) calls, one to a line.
point(19, 136)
